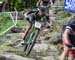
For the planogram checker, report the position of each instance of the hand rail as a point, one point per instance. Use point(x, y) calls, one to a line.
point(15, 22)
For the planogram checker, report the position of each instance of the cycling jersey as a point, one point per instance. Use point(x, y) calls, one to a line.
point(35, 16)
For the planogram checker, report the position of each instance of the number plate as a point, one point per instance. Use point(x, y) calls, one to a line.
point(37, 25)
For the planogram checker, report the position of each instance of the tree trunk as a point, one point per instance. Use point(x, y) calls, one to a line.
point(1, 6)
point(9, 5)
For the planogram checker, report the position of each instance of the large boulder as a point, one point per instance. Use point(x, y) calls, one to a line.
point(48, 58)
point(40, 47)
point(14, 39)
point(11, 56)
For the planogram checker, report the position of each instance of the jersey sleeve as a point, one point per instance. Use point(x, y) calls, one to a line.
point(33, 11)
point(30, 12)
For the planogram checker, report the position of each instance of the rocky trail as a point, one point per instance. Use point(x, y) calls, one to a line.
point(42, 50)
point(47, 46)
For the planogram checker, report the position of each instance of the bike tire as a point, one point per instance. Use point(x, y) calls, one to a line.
point(26, 38)
point(30, 46)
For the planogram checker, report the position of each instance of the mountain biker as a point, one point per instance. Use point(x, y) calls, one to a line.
point(68, 38)
point(45, 2)
point(36, 14)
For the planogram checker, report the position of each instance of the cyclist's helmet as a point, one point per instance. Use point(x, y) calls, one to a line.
point(42, 9)
point(71, 23)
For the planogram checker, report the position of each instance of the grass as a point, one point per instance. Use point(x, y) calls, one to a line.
point(22, 23)
point(6, 48)
point(6, 22)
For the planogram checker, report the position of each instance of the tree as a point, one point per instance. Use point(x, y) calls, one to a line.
point(19, 4)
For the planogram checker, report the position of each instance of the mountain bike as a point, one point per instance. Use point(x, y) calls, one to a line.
point(32, 34)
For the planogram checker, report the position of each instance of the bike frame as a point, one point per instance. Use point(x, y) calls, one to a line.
point(29, 31)
point(33, 29)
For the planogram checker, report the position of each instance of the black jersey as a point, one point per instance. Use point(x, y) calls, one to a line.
point(44, 3)
point(35, 16)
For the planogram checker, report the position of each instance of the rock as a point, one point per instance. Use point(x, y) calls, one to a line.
point(11, 56)
point(40, 47)
point(16, 43)
point(14, 36)
point(58, 3)
point(53, 48)
point(53, 18)
point(16, 30)
point(51, 13)
point(52, 51)
point(48, 58)
point(14, 39)
point(53, 37)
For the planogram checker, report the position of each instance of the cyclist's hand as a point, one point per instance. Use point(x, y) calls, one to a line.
point(25, 14)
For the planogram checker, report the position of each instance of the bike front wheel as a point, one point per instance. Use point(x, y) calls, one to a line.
point(33, 41)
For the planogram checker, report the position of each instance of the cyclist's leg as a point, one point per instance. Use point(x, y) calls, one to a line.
point(27, 30)
point(65, 52)
point(29, 19)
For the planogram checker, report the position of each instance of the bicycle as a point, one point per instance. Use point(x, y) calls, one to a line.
point(32, 34)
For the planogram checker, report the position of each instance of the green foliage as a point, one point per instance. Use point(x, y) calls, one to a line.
point(5, 22)
point(20, 4)
point(22, 23)
point(32, 3)
point(7, 48)
point(65, 14)
point(62, 13)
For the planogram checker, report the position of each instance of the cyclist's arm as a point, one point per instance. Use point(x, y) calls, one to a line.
point(38, 3)
point(27, 14)
point(52, 2)
point(66, 36)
